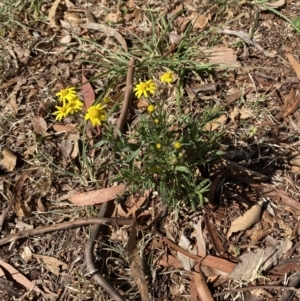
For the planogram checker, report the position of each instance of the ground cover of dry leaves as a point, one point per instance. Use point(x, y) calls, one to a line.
point(242, 244)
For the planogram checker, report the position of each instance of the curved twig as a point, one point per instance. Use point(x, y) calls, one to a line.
point(91, 267)
point(63, 226)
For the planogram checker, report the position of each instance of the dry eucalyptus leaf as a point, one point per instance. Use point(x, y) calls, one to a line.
point(294, 63)
point(248, 219)
point(22, 226)
point(21, 207)
point(63, 128)
point(259, 260)
point(245, 114)
point(73, 19)
point(108, 31)
point(187, 262)
point(26, 254)
point(52, 13)
point(216, 123)
point(96, 196)
point(113, 17)
point(275, 4)
point(222, 55)
point(69, 28)
point(52, 264)
point(199, 21)
point(9, 160)
point(18, 277)
point(174, 38)
point(201, 244)
point(69, 4)
point(66, 39)
point(40, 125)
point(66, 147)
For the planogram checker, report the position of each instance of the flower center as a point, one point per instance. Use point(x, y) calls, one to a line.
point(93, 112)
point(144, 86)
point(64, 92)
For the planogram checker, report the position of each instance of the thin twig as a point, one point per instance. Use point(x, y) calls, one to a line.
point(246, 38)
point(63, 226)
point(91, 267)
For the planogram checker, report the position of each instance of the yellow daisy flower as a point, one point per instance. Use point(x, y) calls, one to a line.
point(143, 88)
point(96, 114)
point(177, 145)
point(167, 77)
point(66, 94)
point(151, 109)
point(61, 112)
point(75, 105)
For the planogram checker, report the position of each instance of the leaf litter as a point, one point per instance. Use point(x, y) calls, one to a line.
point(261, 135)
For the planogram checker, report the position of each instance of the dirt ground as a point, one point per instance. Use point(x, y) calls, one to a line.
point(240, 242)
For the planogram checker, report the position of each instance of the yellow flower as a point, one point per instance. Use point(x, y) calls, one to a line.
point(177, 145)
point(144, 87)
point(61, 112)
point(156, 121)
point(96, 114)
point(158, 145)
point(151, 109)
point(74, 105)
point(66, 94)
point(167, 77)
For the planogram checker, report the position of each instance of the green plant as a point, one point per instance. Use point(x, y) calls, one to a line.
point(169, 153)
point(167, 150)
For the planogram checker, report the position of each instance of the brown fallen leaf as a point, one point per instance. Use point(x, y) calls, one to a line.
point(63, 128)
point(187, 262)
point(253, 262)
point(198, 21)
point(222, 55)
point(9, 160)
point(52, 12)
point(291, 103)
point(52, 264)
point(138, 204)
point(216, 123)
point(66, 146)
point(108, 31)
point(210, 261)
point(200, 282)
point(201, 244)
point(72, 18)
point(40, 125)
point(170, 261)
point(20, 203)
point(136, 265)
point(113, 17)
point(88, 93)
point(26, 254)
point(213, 233)
point(19, 277)
point(248, 219)
point(294, 63)
point(96, 196)
point(275, 4)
